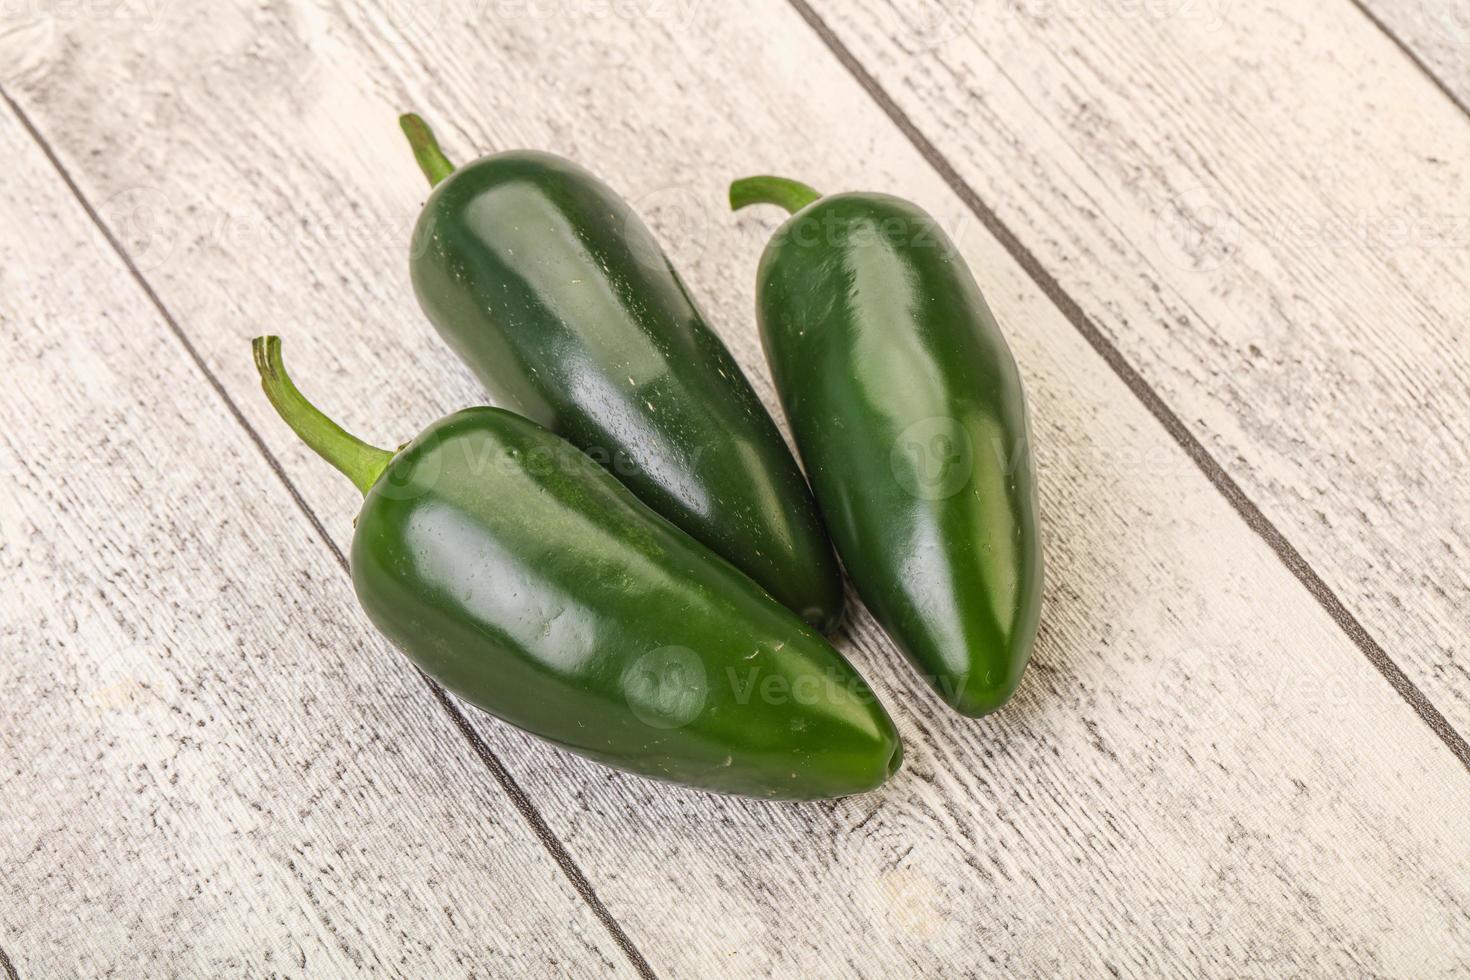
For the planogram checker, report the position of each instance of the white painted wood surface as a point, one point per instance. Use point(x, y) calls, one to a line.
point(1436, 33)
point(1266, 207)
point(210, 767)
point(1202, 774)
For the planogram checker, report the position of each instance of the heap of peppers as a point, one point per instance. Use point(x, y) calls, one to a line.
point(624, 558)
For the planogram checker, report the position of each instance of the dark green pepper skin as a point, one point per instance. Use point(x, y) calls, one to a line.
point(527, 580)
point(562, 303)
point(908, 411)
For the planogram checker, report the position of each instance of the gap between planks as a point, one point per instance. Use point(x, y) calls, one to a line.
point(1151, 400)
point(502, 775)
point(1412, 55)
point(8, 967)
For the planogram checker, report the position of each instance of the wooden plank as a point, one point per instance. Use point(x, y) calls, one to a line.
point(209, 766)
point(1436, 33)
point(1262, 206)
point(1200, 776)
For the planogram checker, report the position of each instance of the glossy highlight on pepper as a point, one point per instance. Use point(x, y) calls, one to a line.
point(526, 579)
point(908, 411)
point(563, 304)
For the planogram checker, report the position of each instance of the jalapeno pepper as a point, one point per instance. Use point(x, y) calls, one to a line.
point(527, 580)
point(907, 409)
point(560, 300)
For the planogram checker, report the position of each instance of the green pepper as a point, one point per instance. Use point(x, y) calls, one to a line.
point(560, 300)
point(526, 579)
point(907, 409)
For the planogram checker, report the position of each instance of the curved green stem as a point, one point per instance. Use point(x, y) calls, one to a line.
point(358, 461)
point(432, 161)
point(792, 195)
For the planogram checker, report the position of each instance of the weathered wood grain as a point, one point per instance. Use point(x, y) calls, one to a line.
point(208, 766)
point(1436, 33)
point(1200, 776)
point(1266, 207)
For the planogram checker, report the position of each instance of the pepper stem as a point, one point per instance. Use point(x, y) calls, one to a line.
point(432, 161)
point(792, 195)
point(358, 461)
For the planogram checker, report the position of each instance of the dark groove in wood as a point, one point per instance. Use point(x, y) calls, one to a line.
point(487, 756)
point(1411, 54)
point(1144, 392)
point(8, 967)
